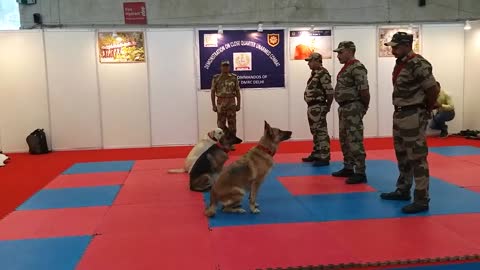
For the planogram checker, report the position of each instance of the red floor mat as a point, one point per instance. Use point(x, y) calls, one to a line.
point(51, 223)
point(88, 180)
point(455, 171)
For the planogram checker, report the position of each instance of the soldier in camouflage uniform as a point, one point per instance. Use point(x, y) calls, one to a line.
point(414, 95)
point(318, 96)
point(225, 88)
point(353, 96)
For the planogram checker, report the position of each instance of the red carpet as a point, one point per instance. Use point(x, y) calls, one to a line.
point(26, 174)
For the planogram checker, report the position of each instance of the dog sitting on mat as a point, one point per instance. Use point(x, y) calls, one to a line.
point(210, 139)
point(205, 170)
point(246, 174)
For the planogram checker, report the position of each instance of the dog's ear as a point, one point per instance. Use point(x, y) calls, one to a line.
point(268, 129)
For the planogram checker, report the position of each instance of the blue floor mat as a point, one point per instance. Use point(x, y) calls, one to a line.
point(96, 167)
point(43, 254)
point(455, 150)
point(71, 197)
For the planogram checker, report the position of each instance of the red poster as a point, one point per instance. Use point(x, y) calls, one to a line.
point(135, 13)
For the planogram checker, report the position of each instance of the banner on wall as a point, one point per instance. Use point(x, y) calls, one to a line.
point(121, 47)
point(386, 34)
point(305, 42)
point(256, 57)
point(135, 13)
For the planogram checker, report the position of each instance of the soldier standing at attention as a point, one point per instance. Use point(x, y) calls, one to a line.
point(318, 96)
point(225, 87)
point(353, 96)
point(414, 96)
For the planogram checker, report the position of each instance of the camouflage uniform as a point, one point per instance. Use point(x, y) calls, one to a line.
point(226, 87)
point(318, 87)
point(412, 75)
point(351, 80)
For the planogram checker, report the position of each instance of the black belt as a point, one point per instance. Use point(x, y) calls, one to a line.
point(316, 102)
point(347, 102)
point(409, 107)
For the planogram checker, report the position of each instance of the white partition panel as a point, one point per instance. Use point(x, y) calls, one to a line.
point(73, 89)
point(124, 104)
point(266, 104)
point(447, 59)
point(384, 95)
point(173, 99)
point(364, 38)
point(23, 88)
point(207, 119)
point(472, 78)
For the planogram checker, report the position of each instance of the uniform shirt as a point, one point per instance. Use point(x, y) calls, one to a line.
point(319, 85)
point(445, 101)
point(411, 76)
point(350, 81)
point(225, 85)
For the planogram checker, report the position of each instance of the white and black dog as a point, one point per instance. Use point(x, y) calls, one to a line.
point(3, 159)
point(203, 145)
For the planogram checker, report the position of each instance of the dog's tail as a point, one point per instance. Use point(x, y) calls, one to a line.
point(212, 208)
point(177, 171)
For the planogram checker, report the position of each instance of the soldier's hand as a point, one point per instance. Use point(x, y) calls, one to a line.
point(238, 108)
point(215, 108)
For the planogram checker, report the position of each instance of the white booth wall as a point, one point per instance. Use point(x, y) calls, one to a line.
point(52, 79)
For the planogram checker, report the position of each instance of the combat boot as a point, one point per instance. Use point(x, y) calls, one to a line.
point(397, 195)
point(420, 203)
point(310, 158)
point(357, 178)
point(320, 163)
point(344, 173)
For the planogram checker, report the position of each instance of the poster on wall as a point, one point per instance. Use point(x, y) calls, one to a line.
point(386, 34)
point(121, 47)
point(305, 42)
point(257, 58)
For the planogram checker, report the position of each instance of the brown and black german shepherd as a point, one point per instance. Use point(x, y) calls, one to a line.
point(246, 174)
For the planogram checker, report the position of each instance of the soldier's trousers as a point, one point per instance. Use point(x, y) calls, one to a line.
point(227, 114)
point(317, 120)
point(411, 150)
point(351, 136)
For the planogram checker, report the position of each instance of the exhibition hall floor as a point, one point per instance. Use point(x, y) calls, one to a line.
point(120, 209)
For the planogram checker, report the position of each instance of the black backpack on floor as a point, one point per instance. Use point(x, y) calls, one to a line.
point(37, 142)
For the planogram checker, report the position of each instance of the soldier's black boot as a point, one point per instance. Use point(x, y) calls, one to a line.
point(357, 178)
point(310, 158)
point(397, 195)
point(344, 173)
point(320, 163)
point(420, 203)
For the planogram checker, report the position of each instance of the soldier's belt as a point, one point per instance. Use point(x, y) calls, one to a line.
point(316, 102)
point(347, 102)
point(225, 97)
point(409, 107)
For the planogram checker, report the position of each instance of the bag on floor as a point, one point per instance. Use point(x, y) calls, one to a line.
point(37, 142)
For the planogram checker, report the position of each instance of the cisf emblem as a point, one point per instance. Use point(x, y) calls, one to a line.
point(273, 39)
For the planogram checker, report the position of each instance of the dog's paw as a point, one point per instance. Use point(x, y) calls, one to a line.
point(254, 210)
point(240, 210)
point(234, 210)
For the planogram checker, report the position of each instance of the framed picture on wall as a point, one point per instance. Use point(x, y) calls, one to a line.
point(257, 58)
point(385, 34)
point(121, 47)
point(305, 42)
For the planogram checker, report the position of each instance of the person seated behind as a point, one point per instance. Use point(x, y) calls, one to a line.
point(445, 112)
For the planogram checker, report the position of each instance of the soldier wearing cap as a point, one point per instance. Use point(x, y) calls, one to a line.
point(353, 96)
point(414, 96)
point(225, 89)
point(318, 96)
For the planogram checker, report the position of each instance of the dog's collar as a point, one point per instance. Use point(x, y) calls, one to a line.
point(266, 150)
point(219, 145)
